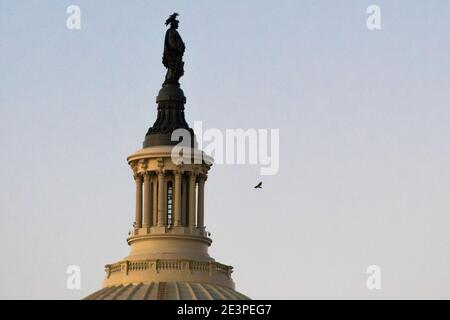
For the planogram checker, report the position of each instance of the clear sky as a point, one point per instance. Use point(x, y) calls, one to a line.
point(364, 131)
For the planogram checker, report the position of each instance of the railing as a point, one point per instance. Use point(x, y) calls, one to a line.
point(197, 231)
point(169, 264)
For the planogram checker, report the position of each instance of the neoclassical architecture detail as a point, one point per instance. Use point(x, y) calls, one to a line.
point(169, 244)
point(169, 197)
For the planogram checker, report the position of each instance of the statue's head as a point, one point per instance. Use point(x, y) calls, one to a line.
point(172, 20)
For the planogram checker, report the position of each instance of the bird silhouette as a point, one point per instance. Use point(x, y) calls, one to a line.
point(259, 185)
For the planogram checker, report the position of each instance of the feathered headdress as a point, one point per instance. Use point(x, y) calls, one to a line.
point(172, 18)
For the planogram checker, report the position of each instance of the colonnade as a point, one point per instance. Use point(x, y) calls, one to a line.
point(170, 198)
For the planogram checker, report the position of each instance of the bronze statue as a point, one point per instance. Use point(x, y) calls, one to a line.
point(173, 51)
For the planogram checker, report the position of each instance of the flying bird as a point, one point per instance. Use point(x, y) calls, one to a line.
point(259, 185)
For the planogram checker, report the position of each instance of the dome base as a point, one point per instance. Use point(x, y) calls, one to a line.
point(167, 291)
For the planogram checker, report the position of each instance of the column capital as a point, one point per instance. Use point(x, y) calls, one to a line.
point(178, 173)
point(146, 174)
point(137, 177)
point(143, 164)
point(160, 163)
point(179, 170)
point(192, 175)
point(134, 167)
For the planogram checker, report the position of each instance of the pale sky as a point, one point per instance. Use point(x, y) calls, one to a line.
point(364, 141)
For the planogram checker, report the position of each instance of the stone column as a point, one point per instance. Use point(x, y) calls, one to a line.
point(138, 218)
point(162, 197)
point(192, 199)
point(155, 200)
point(200, 202)
point(184, 207)
point(177, 200)
point(147, 201)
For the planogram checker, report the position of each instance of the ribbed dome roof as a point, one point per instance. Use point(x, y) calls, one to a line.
point(167, 291)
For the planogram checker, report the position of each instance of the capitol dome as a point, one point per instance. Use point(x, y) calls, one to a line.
point(169, 243)
point(167, 291)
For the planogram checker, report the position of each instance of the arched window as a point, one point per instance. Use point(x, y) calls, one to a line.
point(169, 203)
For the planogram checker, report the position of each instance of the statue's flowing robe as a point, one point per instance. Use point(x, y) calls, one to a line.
point(173, 54)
